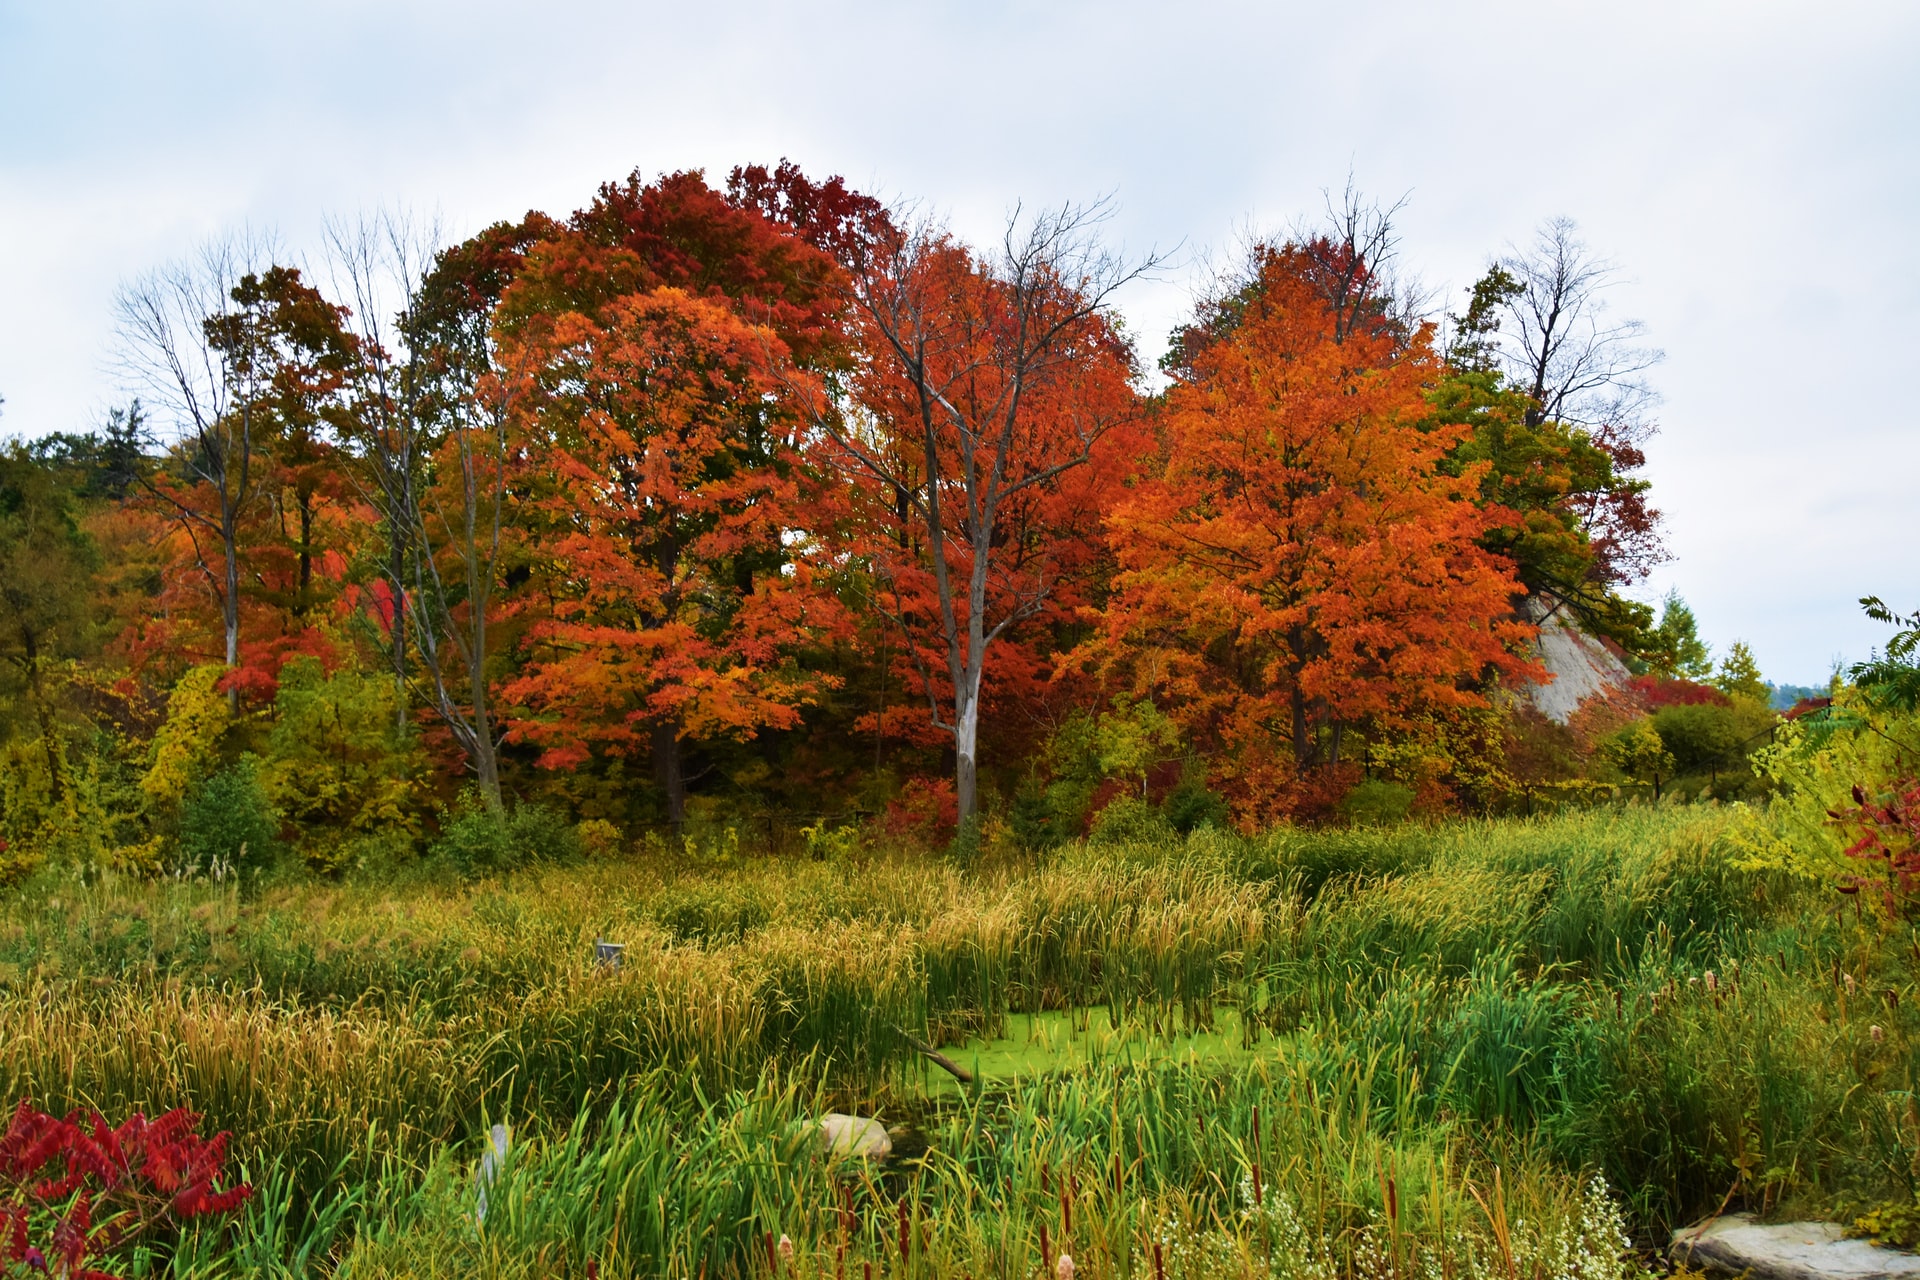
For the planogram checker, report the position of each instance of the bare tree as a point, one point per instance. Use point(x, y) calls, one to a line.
point(976, 343)
point(376, 264)
point(431, 420)
point(168, 324)
point(1577, 363)
point(1356, 254)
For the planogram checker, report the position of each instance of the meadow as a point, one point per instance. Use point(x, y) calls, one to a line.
point(1515, 1048)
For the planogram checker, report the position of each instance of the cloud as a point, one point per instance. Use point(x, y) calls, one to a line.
point(1752, 166)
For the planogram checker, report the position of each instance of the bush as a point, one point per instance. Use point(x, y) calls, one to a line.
point(226, 823)
point(1376, 803)
point(476, 841)
point(1131, 820)
point(1190, 806)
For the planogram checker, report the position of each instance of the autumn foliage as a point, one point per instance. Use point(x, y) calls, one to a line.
point(77, 1189)
point(1299, 565)
point(779, 497)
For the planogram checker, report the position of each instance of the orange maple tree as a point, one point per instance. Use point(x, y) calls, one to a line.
point(1300, 563)
point(665, 483)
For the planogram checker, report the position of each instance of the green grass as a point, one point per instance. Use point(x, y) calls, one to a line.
point(1444, 1031)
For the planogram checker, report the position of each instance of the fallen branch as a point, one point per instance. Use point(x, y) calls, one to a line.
point(940, 1059)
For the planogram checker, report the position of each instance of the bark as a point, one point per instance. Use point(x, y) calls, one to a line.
point(666, 770)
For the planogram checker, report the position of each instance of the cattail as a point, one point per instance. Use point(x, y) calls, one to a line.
point(1848, 979)
point(773, 1258)
point(1159, 1263)
point(906, 1236)
point(1064, 1268)
point(1713, 983)
point(1393, 1199)
point(1877, 1034)
point(1046, 1249)
point(840, 1262)
point(1066, 1207)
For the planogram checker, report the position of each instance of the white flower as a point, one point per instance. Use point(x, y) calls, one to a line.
point(1064, 1267)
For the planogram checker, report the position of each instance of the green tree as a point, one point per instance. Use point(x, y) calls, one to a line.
point(1673, 648)
point(1739, 675)
point(1550, 475)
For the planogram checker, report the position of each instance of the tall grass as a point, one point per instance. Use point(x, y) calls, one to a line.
point(1420, 1006)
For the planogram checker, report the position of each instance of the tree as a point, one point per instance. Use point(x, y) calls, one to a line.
point(1674, 648)
point(1548, 473)
point(987, 382)
point(183, 341)
point(670, 483)
point(1579, 366)
point(1739, 675)
point(1299, 557)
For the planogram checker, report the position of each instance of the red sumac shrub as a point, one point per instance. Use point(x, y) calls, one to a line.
point(76, 1189)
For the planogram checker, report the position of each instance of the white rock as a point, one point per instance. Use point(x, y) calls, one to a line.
point(1736, 1244)
point(855, 1136)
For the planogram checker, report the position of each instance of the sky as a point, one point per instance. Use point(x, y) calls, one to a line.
point(1753, 168)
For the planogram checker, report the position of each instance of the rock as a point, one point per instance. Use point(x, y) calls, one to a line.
point(1582, 666)
point(858, 1137)
point(1737, 1245)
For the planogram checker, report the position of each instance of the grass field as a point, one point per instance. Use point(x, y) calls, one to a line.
point(1475, 1049)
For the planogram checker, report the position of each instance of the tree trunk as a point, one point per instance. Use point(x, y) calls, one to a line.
point(397, 583)
point(486, 761)
point(1302, 731)
point(966, 745)
point(49, 739)
point(231, 616)
point(666, 769)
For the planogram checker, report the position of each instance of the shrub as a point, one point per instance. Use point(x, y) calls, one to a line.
point(226, 823)
point(1190, 806)
point(1376, 803)
point(84, 1190)
point(1131, 820)
point(476, 841)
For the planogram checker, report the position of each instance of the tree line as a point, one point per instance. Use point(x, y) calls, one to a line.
point(768, 495)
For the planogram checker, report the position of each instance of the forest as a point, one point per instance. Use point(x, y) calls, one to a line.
point(734, 732)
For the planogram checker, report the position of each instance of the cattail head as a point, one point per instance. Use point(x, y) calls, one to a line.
point(1063, 1269)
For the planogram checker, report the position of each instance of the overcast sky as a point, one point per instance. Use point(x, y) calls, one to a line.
point(1753, 167)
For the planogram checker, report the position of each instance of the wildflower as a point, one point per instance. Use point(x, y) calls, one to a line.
point(35, 1259)
point(1850, 982)
point(1713, 983)
point(1877, 1034)
point(1064, 1268)
point(1693, 982)
point(786, 1248)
